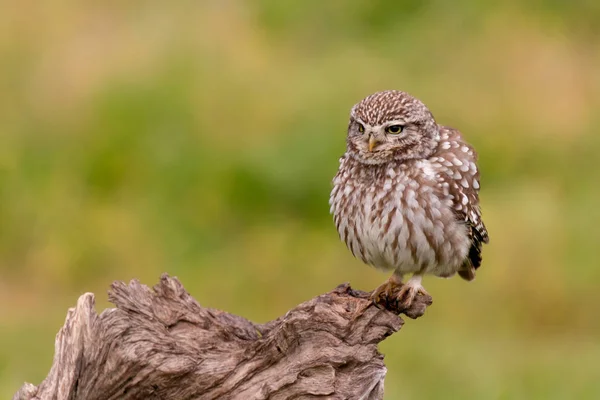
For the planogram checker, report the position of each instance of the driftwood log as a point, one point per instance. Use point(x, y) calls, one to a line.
point(161, 344)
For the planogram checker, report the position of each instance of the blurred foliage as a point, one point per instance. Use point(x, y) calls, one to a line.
point(200, 139)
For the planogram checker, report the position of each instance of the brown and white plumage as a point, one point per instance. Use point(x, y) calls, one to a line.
point(405, 196)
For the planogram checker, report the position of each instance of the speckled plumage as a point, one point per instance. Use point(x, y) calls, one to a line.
point(408, 201)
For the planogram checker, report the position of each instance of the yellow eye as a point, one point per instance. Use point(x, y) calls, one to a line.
point(394, 129)
point(361, 127)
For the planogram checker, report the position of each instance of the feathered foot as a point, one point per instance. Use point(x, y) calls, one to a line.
point(385, 291)
point(409, 291)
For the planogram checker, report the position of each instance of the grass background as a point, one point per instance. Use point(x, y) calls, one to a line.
point(200, 139)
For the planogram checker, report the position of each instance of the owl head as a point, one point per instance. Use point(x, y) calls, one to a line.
point(391, 126)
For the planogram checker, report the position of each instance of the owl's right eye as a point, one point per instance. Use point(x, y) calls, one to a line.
point(361, 127)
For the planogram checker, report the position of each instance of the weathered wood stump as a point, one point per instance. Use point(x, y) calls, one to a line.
point(161, 344)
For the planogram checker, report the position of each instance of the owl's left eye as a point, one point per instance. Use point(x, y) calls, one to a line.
point(394, 129)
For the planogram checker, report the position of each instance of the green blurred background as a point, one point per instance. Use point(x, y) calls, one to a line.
point(199, 138)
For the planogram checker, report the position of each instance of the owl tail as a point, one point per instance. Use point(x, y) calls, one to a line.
point(467, 272)
point(473, 261)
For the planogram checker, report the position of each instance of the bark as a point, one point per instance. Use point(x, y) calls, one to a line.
point(161, 344)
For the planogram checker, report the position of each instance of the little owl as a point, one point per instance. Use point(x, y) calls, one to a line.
point(405, 197)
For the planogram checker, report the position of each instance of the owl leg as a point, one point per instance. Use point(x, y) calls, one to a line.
point(384, 291)
point(410, 290)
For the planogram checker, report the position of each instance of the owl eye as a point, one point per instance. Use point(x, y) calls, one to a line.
point(394, 129)
point(361, 127)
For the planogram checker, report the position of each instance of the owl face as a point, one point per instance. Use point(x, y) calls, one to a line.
point(391, 126)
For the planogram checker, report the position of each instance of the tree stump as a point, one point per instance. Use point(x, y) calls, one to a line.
point(161, 344)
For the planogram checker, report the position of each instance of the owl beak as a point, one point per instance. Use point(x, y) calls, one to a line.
point(372, 142)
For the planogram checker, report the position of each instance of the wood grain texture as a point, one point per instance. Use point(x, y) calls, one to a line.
point(161, 344)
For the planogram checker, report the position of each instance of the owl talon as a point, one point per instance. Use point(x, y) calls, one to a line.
point(384, 292)
point(376, 304)
point(409, 292)
point(376, 296)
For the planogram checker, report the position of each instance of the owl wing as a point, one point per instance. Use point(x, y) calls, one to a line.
point(459, 180)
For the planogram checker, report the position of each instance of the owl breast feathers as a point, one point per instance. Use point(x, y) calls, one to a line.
point(406, 193)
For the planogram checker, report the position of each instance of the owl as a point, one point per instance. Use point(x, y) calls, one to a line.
point(405, 197)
